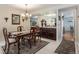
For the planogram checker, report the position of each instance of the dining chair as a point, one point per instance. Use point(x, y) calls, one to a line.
point(33, 35)
point(37, 31)
point(20, 28)
point(31, 38)
point(28, 38)
point(8, 41)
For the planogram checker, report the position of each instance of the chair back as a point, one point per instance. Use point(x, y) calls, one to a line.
point(33, 29)
point(38, 29)
point(5, 33)
point(32, 33)
point(19, 28)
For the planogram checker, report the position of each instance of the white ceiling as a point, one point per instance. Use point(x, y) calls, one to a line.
point(39, 7)
point(25, 6)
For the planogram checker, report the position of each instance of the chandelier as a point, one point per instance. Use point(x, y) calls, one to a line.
point(26, 15)
point(26, 12)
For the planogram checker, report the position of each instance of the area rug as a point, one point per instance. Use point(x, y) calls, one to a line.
point(24, 48)
point(66, 47)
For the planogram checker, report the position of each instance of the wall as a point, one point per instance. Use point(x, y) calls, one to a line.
point(7, 11)
point(77, 20)
point(51, 8)
point(77, 30)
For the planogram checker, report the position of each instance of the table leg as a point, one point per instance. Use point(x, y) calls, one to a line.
point(35, 41)
point(18, 45)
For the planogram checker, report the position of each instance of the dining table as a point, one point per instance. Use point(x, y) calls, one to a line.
point(18, 35)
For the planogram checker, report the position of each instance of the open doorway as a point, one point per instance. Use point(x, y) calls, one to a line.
point(67, 24)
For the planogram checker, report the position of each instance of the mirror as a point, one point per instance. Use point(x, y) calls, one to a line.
point(49, 20)
point(33, 20)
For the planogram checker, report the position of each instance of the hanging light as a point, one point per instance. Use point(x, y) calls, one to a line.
point(30, 15)
point(23, 15)
point(26, 13)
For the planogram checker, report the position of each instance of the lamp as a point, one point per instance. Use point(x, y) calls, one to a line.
point(26, 15)
point(6, 18)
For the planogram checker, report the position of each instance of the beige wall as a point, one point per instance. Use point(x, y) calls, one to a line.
point(7, 11)
point(77, 20)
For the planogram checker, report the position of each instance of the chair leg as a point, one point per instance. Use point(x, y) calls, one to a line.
point(8, 47)
point(23, 41)
point(5, 48)
point(40, 39)
point(29, 41)
point(35, 42)
point(18, 44)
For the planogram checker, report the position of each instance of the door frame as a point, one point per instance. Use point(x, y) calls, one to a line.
point(75, 26)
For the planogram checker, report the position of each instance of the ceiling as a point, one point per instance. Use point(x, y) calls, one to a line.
point(32, 8)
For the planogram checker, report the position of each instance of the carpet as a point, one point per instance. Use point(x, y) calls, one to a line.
point(24, 48)
point(66, 47)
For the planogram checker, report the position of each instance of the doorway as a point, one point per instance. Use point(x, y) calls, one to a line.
point(67, 31)
point(68, 25)
point(67, 20)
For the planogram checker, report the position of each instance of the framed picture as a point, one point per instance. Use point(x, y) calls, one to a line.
point(15, 19)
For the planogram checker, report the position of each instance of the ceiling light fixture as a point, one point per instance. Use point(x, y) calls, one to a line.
point(26, 13)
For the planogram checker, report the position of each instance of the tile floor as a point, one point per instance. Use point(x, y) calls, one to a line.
point(48, 49)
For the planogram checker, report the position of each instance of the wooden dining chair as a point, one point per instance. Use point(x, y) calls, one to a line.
point(20, 28)
point(38, 33)
point(8, 41)
point(28, 38)
point(33, 36)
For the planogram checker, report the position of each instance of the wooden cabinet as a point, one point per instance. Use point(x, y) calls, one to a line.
point(49, 33)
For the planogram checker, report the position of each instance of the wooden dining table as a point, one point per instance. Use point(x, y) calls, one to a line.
point(18, 36)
